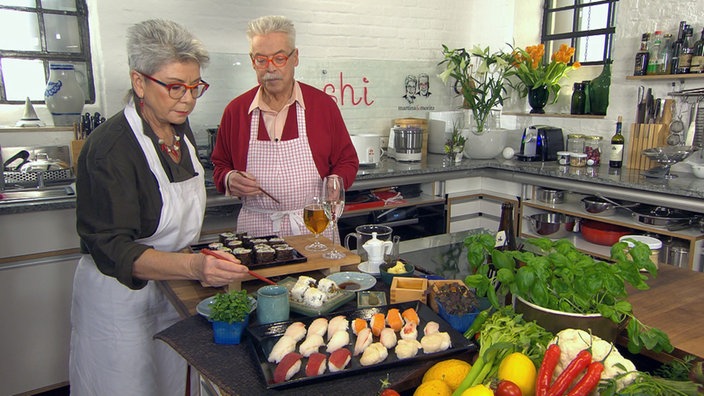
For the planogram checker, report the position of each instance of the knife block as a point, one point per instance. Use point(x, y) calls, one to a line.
point(644, 136)
point(76, 146)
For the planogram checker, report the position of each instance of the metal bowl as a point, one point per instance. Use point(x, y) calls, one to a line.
point(668, 154)
point(550, 196)
point(552, 225)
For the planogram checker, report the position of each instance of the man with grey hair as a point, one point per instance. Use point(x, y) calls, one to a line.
point(281, 136)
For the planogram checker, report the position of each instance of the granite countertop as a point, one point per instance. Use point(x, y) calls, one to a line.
point(685, 187)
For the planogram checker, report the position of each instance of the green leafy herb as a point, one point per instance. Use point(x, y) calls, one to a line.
point(676, 369)
point(568, 280)
point(230, 307)
point(648, 385)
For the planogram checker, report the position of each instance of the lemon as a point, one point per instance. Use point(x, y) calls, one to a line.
point(519, 369)
point(452, 371)
point(478, 390)
point(434, 387)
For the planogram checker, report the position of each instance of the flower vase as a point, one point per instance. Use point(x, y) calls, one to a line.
point(538, 98)
point(599, 91)
point(63, 95)
point(229, 333)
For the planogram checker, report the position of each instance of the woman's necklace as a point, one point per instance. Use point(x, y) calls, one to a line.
point(173, 150)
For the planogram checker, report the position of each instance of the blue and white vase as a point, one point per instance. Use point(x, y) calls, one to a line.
point(63, 95)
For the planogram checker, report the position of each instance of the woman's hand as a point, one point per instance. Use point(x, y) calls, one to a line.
point(211, 271)
point(242, 184)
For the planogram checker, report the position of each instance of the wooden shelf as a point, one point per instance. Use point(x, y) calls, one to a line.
point(553, 115)
point(654, 77)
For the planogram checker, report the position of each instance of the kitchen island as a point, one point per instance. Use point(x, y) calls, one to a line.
point(668, 305)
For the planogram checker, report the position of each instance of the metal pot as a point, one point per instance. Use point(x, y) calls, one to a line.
point(550, 196)
point(552, 225)
point(43, 163)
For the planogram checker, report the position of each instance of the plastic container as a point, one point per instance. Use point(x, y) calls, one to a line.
point(563, 157)
point(653, 243)
point(578, 159)
point(575, 143)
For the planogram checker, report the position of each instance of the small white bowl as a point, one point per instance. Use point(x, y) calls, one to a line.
point(697, 169)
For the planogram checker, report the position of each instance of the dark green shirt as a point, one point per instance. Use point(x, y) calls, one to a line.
point(117, 196)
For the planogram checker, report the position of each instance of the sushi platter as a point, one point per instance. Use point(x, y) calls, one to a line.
point(266, 342)
point(336, 300)
point(296, 257)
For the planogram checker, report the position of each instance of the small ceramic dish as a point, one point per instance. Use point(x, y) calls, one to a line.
point(370, 299)
point(388, 277)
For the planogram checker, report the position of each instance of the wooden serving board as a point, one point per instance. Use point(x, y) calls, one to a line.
point(315, 260)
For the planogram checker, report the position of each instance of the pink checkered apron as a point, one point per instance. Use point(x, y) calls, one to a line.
point(287, 171)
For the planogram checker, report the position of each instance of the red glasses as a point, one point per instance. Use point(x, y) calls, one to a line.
point(178, 90)
point(278, 60)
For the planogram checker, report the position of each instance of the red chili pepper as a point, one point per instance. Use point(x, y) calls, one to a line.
point(589, 381)
point(550, 360)
point(576, 366)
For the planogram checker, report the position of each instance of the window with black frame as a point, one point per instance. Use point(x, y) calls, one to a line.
point(36, 33)
point(586, 25)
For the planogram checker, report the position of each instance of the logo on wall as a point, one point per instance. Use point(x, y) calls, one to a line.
point(416, 92)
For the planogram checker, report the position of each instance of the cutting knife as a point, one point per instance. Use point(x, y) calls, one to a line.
point(649, 106)
point(640, 106)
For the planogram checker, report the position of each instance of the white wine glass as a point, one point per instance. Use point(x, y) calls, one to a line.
point(316, 221)
point(333, 197)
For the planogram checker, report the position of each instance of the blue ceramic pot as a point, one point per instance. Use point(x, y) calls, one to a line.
point(229, 333)
point(458, 322)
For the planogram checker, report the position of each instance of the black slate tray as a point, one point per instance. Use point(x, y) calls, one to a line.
point(263, 337)
point(298, 257)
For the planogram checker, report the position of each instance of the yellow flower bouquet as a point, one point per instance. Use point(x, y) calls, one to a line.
point(531, 70)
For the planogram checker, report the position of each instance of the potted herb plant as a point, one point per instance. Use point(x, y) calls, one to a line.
point(230, 315)
point(454, 146)
point(562, 279)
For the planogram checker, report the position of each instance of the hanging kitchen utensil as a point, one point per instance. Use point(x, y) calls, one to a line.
point(689, 137)
point(676, 128)
point(23, 154)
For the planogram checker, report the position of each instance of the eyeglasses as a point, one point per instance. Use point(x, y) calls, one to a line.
point(178, 90)
point(279, 60)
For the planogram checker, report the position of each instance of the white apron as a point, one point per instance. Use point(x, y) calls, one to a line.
point(112, 347)
point(287, 171)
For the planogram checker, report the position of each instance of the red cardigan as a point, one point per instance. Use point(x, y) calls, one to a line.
point(330, 143)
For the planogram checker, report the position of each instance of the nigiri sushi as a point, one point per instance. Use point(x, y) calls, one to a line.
point(431, 327)
point(409, 331)
point(388, 338)
point(311, 345)
point(340, 339)
point(376, 353)
point(317, 364)
point(358, 324)
point(377, 323)
point(336, 324)
point(289, 366)
point(435, 342)
point(283, 346)
point(406, 348)
point(339, 359)
point(364, 339)
point(319, 327)
point(296, 330)
point(410, 315)
point(394, 319)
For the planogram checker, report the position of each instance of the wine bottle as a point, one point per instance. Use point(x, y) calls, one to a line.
point(506, 236)
point(617, 142)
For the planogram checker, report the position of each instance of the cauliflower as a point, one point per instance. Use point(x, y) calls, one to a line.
point(572, 341)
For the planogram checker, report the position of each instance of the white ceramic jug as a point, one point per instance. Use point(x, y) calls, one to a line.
point(376, 249)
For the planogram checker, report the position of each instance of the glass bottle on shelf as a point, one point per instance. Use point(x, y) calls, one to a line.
point(617, 143)
point(599, 93)
point(587, 88)
point(578, 99)
point(677, 48)
point(686, 52)
point(698, 56)
point(506, 235)
point(642, 57)
point(665, 55)
point(654, 53)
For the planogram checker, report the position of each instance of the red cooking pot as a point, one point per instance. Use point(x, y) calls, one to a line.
point(602, 233)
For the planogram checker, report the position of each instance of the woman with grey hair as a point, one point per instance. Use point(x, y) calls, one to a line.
point(140, 203)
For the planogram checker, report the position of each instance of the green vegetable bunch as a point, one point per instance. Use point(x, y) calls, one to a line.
point(568, 280)
point(503, 333)
point(230, 307)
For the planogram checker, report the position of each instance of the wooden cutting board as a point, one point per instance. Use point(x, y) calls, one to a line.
point(315, 260)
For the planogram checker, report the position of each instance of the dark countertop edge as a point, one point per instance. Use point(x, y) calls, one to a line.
point(685, 192)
